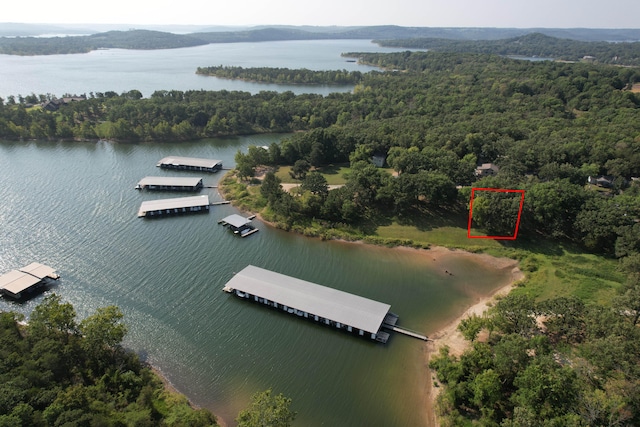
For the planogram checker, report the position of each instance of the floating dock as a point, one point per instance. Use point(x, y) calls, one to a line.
point(341, 310)
point(190, 163)
point(176, 206)
point(239, 224)
point(27, 280)
point(170, 183)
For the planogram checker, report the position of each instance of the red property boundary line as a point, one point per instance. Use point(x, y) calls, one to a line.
point(496, 190)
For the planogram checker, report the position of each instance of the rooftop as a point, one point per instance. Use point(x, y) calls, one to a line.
point(176, 203)
point(339, 306)
point(169, 181)
point(189, 161)
point(235, 220)
point(17, 281)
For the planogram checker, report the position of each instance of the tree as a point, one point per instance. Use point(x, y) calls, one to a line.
point(244, 165)
point(471, 326)
point(267, 410)
point(103, 332)
point(546, 387)
point(516, 314)
point(300, 169)
point(53, 318)
point(316, 183)
point(271, 188)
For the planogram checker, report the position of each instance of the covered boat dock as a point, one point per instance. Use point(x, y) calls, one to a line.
point(176, 206)
point(332, 307)
point(190, 163)
point(239, 224)
point(17, 283)
point(170, 183)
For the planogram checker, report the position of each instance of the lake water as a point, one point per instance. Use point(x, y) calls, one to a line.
point(73, 206)
point(121, 70)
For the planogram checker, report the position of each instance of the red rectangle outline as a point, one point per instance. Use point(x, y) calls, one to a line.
point(497, 190)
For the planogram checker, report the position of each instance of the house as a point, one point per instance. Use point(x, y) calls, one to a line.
point(54, 104)
point(486, 169)
point(378, 160)
point(603, 181)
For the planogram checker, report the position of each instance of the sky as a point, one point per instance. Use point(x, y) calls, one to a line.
point(414, 13)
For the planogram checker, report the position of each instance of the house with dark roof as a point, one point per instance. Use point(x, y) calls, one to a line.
point(486, 169)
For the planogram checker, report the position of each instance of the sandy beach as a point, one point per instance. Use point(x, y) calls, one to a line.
point(449, 335)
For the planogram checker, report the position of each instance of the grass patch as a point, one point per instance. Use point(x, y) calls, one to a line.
point(552, 268)
point(592, 278)
point(334, 174)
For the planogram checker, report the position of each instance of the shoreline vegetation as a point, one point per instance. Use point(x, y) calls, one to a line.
point(57, 370)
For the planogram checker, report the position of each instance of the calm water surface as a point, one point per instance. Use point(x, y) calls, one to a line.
point(73, 206)
point(122, 70)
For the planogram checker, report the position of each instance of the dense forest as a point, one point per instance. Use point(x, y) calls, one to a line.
point(531, 45)
point(557, 362)
point(284, 75)
point(56, 371)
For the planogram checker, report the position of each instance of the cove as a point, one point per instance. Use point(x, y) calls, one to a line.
point(73, 206)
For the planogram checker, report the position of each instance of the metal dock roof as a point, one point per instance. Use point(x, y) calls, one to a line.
point(17, 281)
point(339, 306)
point(169, 181)
point(39, 270)
point(175, 203)
point(189, 161)
point(235, 220)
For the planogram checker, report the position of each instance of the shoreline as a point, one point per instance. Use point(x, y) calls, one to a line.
point(448, 334)
point(171, 389)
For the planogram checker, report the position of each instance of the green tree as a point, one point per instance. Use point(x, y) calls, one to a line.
point(54, 318)
point(300, 169)
point(267, 410)
point(270, 188)
point(103, 333)
point(316, 183)
point(244, 165)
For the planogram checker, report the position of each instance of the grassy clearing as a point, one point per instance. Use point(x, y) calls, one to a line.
point(553, 269)
point(334, 174)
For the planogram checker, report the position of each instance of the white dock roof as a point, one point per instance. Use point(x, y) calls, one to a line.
point(39, 270)
point(169, 181)
point(339, 306)
point(15, 282)
point(189, 161)
point(176, 203)
point(235, 220)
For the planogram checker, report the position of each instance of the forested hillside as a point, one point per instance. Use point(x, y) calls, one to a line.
point(56, 371)
point(133, 39)
point(284, 75)
point(555, 43)
point(532, 45)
